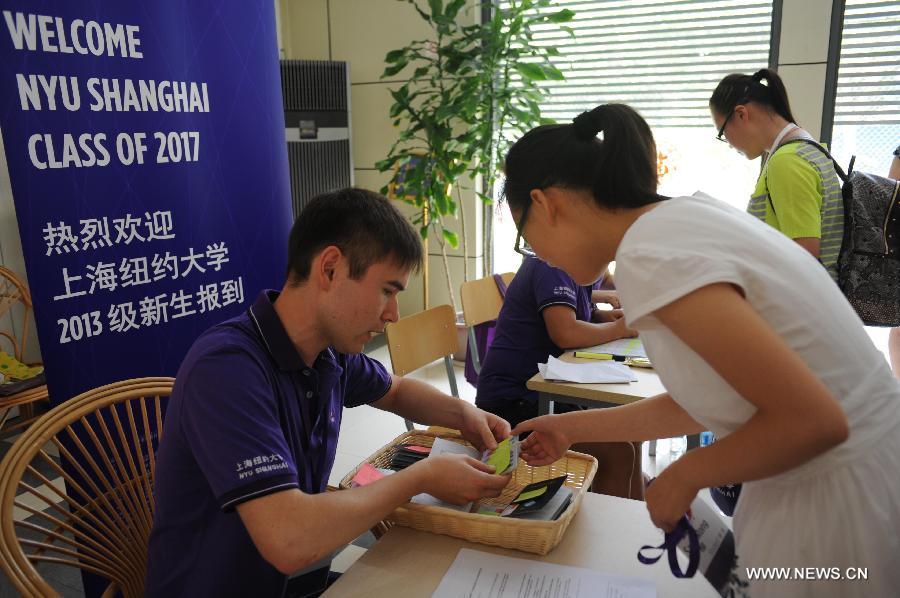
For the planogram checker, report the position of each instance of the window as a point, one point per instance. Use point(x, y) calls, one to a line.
point(867, 99)
point(664, 58)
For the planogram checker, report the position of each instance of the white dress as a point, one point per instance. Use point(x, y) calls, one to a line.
point(839, 510)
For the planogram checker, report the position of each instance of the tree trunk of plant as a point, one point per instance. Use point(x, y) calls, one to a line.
point(447, 277)
point(465, 244)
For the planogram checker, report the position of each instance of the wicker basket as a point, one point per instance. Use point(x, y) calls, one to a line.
point(538, 537)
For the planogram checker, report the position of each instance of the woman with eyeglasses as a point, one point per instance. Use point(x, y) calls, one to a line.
point(798, 191)
point(546, 313)
point(750, 342)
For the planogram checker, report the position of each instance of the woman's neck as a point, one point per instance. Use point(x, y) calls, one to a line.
point(615, 224)
point(772, 128)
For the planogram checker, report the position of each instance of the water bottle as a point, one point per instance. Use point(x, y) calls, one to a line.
point(707, 438)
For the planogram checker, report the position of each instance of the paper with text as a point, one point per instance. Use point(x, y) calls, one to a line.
point(477, 574)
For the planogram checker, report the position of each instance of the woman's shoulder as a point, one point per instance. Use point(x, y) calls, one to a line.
point(681, 222)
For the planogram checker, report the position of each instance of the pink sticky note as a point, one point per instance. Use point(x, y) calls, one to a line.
point(366, 475)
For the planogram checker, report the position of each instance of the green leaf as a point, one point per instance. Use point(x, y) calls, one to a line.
point(451, 238)
point(552, 73)
point(437, 8)
point(395, 68)
point(531, 71)
point(423, 232)
point(563, 16)
point(395, 55)
point(440, 203)
point(453, 8)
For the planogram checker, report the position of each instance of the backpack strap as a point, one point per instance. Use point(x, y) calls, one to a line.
point(837, 167)
point(818, 146)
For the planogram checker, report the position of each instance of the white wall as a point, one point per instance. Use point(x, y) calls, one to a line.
point(803, 58)
point(361, 33)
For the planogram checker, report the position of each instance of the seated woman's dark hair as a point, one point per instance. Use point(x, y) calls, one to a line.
point(608, 151)
point(764, 87)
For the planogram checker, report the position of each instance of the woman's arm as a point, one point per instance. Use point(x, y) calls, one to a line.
point(796, 418)
point(647, 419)
point(568, 332)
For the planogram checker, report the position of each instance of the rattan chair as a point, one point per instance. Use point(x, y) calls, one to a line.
point(107, 436)
point(481, 302)
point(417, 340)
point(13, 292)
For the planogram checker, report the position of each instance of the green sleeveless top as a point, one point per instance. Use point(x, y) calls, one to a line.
point(802, 185)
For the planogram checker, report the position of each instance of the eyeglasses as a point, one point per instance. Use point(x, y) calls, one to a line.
point(721, 135)
point(522, 247)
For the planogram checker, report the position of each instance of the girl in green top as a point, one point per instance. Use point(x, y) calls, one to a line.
point(798, 191)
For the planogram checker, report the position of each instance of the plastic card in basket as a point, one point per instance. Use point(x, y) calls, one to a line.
point(505, 457)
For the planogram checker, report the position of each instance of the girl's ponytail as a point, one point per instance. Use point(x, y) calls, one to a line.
point(764, 87)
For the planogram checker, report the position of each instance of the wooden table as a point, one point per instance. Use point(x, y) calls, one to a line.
point(598, 395)
point(605, 535)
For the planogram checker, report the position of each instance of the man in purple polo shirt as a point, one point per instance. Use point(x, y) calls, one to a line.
point(253, 421)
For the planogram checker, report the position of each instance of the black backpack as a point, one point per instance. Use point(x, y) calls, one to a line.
point(869, 261)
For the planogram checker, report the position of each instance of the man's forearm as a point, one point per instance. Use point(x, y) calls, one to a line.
point(292, 529)
point(422, 403)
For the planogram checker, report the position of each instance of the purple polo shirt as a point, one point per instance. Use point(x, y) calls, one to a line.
point(521, 340)
point(246, 418)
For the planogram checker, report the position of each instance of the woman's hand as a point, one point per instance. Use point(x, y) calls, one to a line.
point(548, 442)
point(622, 330)
point(611, 297)
point(669, 497)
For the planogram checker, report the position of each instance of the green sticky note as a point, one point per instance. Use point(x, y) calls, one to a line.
point(530, 495)
point(500, 457)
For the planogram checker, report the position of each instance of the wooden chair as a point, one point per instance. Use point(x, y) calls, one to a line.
point(481, 302)
point(417, 340)
point(13, 292)
point(112, 459)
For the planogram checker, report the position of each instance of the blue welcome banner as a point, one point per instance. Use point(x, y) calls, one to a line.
point(146, 151)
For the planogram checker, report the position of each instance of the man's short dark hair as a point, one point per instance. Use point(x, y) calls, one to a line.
point(363, 224)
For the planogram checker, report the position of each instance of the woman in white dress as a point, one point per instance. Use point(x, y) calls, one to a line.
point(752, 341)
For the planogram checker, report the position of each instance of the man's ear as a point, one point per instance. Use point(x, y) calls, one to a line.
point(325, 266)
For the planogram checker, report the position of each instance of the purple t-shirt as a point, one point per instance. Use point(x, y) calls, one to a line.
point(521, 340)
point(246, 418)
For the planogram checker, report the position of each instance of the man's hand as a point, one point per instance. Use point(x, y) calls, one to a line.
point(484, 430)
point(548, 442)
point(459, 479)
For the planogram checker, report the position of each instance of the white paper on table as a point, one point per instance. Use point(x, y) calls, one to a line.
point(594, 372)
point(486, 575)
point(440, 447)
point(626, 347)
